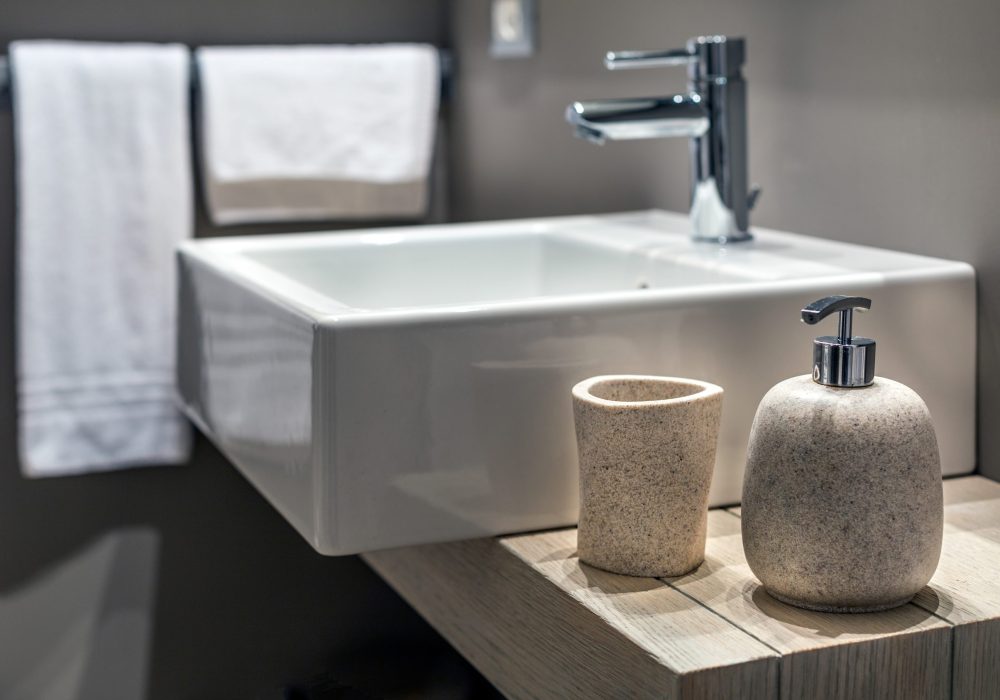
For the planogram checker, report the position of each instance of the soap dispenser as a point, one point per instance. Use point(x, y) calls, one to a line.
point(842, 503)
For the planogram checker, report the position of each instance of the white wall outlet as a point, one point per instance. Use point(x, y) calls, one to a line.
point(513, 28)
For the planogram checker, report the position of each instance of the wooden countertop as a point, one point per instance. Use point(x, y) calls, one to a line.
point(537, 623)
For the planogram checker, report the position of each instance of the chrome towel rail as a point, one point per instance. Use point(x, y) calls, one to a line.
point(446, 61)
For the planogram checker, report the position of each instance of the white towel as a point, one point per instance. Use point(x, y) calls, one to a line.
point(317, 132)
point(104, 194)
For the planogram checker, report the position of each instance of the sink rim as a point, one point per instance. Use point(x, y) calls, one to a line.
point(653, 232)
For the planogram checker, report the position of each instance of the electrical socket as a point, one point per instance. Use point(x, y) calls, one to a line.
point(513, 28)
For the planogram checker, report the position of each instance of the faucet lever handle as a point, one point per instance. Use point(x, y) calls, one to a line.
point(622, 60)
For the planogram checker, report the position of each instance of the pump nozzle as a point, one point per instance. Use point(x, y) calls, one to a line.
point(842, 360)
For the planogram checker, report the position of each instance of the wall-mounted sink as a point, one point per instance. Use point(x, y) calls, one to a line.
point(408, 385)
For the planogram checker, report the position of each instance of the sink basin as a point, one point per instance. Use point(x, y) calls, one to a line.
point(400, 386)
point(392, 271)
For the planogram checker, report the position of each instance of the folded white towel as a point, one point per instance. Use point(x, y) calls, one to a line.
point(317, 132)
point(104, 194)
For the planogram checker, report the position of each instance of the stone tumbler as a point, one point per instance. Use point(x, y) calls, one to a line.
point(647, 451)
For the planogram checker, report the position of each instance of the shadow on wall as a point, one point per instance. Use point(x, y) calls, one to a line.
point(83, 627)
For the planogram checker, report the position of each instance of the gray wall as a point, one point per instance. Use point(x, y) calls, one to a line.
point(871, 122)
point(242, 603)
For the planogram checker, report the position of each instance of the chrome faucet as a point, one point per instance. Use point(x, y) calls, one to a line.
point(712, 113)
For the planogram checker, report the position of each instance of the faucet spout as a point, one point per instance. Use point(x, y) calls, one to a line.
point(640, 118)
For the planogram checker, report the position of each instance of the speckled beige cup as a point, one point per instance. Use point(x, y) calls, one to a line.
point(647, 451)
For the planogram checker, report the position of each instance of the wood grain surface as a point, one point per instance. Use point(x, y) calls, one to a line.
point(539, 624)
point(901, 653)
point(965, 589)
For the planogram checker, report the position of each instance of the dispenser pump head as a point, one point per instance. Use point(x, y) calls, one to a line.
point(844, 360)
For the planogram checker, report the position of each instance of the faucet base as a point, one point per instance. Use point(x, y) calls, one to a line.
point(711, 220)
point(737, 237)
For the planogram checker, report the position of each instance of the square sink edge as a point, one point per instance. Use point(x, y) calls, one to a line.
point(227, 255)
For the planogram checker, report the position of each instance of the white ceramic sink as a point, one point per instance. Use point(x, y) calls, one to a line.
point(408, 385)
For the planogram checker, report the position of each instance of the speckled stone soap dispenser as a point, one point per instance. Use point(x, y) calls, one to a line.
point(842, 503)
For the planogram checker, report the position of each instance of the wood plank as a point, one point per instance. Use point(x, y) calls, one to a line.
point(539, 624)
point(682, 635)
point(965, 589)
point(902, 653)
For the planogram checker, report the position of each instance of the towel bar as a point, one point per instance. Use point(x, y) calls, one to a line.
point(445, 60)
